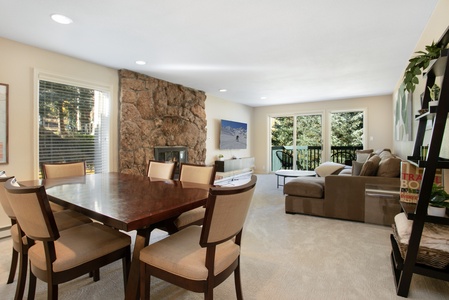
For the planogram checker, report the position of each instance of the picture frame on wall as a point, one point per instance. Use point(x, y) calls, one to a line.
point(4, 92)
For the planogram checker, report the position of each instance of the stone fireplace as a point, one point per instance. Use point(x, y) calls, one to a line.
point(159, 114)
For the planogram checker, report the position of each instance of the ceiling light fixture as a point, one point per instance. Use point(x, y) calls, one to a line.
point(223, 90)
point(263, 98)
point(61, 19)
point(141, 62)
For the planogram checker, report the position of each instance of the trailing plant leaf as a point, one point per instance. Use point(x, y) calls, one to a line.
point(419, 63)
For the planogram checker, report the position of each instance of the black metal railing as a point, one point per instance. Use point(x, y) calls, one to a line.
point(309, 157)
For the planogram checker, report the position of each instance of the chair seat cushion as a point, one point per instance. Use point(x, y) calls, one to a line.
point(310, 187)
point(79, 245)
point(182, 255)
point(190, 217)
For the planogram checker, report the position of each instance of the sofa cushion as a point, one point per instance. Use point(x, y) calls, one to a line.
point(328, 168)
point(311, 187)
point(389, 167)
point(370, 167)
point(356, 167)
point(363, 155)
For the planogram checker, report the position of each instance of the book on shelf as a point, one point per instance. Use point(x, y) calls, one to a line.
point(411, 177)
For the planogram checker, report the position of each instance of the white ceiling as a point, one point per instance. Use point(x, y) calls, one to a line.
point(288, 51)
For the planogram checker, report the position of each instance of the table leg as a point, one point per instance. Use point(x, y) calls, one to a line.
point(132, 287)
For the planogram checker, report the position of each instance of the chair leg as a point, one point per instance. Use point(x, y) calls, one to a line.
point(12, 270)
point(31, 286)
point(23, 265)
point(238, 283)
point(52, 291)
point(145, 282)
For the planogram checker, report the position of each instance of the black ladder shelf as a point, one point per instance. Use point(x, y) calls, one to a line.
point(403, 269)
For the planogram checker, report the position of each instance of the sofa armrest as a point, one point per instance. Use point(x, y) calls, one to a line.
point(345, 195)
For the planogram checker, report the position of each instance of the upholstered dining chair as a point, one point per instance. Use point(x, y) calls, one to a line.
point(64, 220)
point(200, 258)
point(63, 169)
point(161, 169)
point(195, 174)
point(60, 256)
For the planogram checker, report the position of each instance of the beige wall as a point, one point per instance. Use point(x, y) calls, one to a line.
point(19, 63)
point(379, 122)
point(217, 109)
point(437, 25)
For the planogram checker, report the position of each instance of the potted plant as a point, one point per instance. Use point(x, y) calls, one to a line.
point(438, 201)
point(220, 157)
point(434, 94)
point(419, 63)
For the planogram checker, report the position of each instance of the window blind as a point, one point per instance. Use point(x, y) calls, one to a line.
point(73, 125)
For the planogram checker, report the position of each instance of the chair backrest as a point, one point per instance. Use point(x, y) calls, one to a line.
point(226, 211)
point(58, 170)
point(161, 169)
point(197, 173)
point(4, 199)
point(32, 210)
point(285, 158)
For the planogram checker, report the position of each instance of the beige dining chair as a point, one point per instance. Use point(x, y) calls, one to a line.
point(194, 174)
point(60, 170)
point(64, 220)
point(60, 256)
point(161, 169)
point(200, 258)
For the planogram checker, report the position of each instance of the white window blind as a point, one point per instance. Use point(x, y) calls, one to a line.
point(73, 125)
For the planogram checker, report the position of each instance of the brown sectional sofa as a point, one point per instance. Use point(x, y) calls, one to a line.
point(342, 196)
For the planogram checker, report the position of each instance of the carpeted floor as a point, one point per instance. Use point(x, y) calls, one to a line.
point(283, 257)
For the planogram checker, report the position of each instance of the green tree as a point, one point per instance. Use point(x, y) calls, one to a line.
point(347, 129)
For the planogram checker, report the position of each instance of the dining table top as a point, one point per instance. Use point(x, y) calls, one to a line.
point(124, 201)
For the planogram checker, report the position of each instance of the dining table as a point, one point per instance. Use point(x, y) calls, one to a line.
point(126, 202)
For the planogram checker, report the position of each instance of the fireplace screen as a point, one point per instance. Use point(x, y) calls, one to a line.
point(177, 154)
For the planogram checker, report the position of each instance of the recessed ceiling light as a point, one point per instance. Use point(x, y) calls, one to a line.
point(61, 19)
point(263, 98)
point(141, 62)
point(223, 90)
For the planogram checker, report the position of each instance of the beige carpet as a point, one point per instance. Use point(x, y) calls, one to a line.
point(283, 257)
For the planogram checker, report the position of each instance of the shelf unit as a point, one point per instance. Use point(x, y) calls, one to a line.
point(404, 268)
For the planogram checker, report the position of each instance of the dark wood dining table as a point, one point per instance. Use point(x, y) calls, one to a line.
point(126, 202)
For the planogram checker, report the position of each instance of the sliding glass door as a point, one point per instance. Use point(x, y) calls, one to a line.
point(309, 141)
point(296, 142)
point(299, 142)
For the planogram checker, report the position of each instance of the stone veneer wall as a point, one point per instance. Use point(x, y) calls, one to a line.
point(155, 113)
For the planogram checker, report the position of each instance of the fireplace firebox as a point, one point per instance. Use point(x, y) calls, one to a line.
point(171, 153)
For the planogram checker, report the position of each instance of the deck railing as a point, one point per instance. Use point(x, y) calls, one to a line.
point(309, 157)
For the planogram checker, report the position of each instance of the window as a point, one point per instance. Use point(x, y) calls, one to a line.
point(73, 125)
point(316, 139)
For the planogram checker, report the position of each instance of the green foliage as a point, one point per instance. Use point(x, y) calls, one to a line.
point(438, 196)
point(419, 63)
point(282, 131)
point(347, 129)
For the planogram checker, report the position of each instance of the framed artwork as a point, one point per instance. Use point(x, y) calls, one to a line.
point(403, 115)
point(3, 123)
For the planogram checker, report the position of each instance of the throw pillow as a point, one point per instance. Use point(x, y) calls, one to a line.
point(328, 168)
point(363, 155)
point(356, 168)
point(369, 168)
point(390, 167)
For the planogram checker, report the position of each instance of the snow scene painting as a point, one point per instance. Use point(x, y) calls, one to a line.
point(233, 135)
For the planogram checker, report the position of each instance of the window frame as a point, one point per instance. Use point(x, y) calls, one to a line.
point(61, 79)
